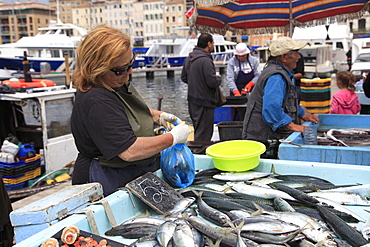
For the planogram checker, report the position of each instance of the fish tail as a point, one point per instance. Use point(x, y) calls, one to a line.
point(259, 210)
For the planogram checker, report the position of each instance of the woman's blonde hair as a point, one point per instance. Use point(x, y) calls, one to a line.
point(96, 53)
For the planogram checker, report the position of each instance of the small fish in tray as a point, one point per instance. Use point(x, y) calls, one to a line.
point(72, 236)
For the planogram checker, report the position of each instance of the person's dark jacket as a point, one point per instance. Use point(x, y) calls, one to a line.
point(199, 73)
point(366, 86)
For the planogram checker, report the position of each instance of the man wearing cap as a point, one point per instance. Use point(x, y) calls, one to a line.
point(242, 74)
point(272, 109)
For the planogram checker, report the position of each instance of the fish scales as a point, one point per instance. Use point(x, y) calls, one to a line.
point(342, 229)
point(165, 232)
point(247, 197)
point(343, 198)
point(297, 194)
point(261, 237)
point(223, 205)
point(305, 179)
point(270, 227)
point(227, 236)
point(211, 213)
point(121, 229)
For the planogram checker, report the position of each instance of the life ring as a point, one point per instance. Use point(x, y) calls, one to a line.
point(20, 83)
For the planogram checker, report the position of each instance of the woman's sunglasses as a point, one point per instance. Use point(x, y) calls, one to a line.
point(125, 68)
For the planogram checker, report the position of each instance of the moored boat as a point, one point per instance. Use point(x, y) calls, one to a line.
point(48, 46)
point(172, 52)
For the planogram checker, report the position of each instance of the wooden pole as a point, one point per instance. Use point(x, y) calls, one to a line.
point(68, 78)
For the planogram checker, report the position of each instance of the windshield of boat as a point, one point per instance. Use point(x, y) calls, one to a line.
point(363, 58)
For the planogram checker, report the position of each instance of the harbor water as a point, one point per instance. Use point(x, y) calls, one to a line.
point(174, 93)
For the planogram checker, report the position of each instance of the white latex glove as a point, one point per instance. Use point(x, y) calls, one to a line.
point(165, 120)
point(180, 133)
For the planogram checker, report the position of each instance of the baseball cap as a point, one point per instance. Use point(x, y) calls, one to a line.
point(241, 49)
point(283, 45)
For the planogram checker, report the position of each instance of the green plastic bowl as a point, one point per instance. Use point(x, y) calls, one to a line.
point(236, 155)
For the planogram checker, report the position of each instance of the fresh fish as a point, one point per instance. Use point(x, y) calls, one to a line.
point(330, 135)
point(282, 205)
point(207, 180)
point(267, 180)
point(154, 220)
point(297, 194)
point(261, 237)
point(259, 191)
point(362, 190)
point(237, 229)
point(240, 176)
point(304, 179)
point(343, 198)
point(250, 204)
point(165, 232)
point(198, 237)
point(312, 229)
point(340, 208)
point(128, 227)
point(149, 243)
point(210, 213)
point(342, 229)
point(224, 205)
point(270, 227)
point(138, 232)
point(181, 205)
point(218, 187)
point(366, 230)
point(251, 198)
point(207, 172)
point(215, 232)
point(183, 235)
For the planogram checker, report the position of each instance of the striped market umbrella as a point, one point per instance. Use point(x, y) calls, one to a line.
point(248, 16)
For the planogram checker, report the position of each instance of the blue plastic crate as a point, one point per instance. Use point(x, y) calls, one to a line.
point(331, 154)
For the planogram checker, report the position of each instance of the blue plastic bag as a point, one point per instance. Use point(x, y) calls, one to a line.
point(177, 165)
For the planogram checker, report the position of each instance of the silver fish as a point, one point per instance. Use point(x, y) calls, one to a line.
point(181, 205)
point(240, 176)
point(310, 227)
point(362, 190)
point(343, 198)
point(165, 233)
point(259, 191)
point(281, 205)
point(271, 227)
point(340, 208)
point(183, 236)
point(213, 214)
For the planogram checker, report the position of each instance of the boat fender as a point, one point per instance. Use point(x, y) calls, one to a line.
point(13, 79)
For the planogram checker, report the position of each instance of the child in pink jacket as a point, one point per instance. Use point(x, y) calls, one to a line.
point(345, 101)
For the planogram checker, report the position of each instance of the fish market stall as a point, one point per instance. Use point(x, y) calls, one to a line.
point(358, 153)
point(117, 208)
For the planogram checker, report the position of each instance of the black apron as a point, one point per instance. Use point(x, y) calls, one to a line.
point(117, 172)
point(243, 78)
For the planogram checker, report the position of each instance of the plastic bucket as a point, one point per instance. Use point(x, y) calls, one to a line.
point(236, 155)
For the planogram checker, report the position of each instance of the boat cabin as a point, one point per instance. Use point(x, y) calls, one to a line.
point(41, 116)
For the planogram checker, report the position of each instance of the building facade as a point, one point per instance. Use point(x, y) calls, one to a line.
point(23, 19)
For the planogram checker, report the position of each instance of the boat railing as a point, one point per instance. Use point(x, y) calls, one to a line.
point(223, 57)
point(161, 61)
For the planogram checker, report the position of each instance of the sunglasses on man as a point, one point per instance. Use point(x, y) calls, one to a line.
point(125, 68)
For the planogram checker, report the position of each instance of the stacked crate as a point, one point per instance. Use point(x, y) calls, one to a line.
point(16, 175)
point(316, 95)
